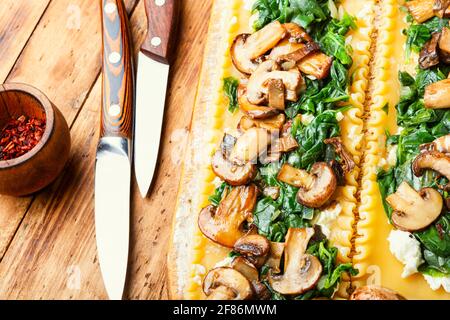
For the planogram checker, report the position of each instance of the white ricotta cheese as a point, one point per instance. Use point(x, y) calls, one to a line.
point(327, 218)
point(406, 249)
point(436, 282)
point(339, 116)
point(248, 4)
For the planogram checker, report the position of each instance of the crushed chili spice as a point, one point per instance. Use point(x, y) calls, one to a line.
point(20, 136)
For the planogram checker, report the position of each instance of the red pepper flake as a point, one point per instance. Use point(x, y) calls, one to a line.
point(20, 136)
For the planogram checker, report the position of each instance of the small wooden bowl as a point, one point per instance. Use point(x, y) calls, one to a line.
point(41, 165)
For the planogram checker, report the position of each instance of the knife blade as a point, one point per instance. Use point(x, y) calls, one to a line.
point(114, 158)
point(154, 61)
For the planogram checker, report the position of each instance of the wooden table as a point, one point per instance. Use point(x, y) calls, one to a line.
point(47, 240)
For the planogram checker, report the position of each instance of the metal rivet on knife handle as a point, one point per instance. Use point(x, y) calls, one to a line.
point(117, 87)
point(161, 17)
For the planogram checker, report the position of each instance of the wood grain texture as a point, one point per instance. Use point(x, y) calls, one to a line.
point(118, 72)
point(55, 240)
point(162, 23)
point(18, 20)
point(62, 58)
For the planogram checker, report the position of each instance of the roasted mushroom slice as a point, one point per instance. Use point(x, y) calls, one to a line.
point(296, 33)
point(421, 10)
point(254, 142)
point(254, 247)
point(225, 224)
point(433, 160)
point(252, 110)
point(301, 270)
point(316, 64)
point(257, 88)
point(246, 48)
point(444, 45)
point(441, 8)
point(441, 144)
point(231, 173)
point(347, 162)
point(248, 270)
point(226, 284)
point(274, 123)
point(414, 210)
point(291, 51)
point(373, 292)
point(274, 259)
point(276, 93)
point(429, 55)
point(437, 95)
point(315, 188)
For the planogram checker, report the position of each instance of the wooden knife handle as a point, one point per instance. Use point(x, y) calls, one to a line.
point(118, 73)
point(162, 16)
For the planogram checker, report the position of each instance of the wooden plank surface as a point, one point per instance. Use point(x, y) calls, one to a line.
point(47, 241)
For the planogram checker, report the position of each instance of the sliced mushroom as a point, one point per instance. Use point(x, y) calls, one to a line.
point(254, 247)
point(421, 10)
point(414, 210)
point(315, 188)
point(440, 8)
point(441, 144)
point(248, 270)
point(254, 142)
point(257, 89)
point(347, 162)
point(433, 160)
point(274, 123)
point(296, 33)
point(285, 143)
point(444, 45)
point(302, 271)
point(437, 95)
point(231, 173)
point(276, 93)
point(429, 55)
point(225, 224)
point(252, 110)
point(226, 284)
point(294, 52)
point(316, 64)
point(274, 259)
point(246, 48)
point(373, 292)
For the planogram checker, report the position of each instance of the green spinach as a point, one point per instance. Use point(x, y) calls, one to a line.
point(230, 86)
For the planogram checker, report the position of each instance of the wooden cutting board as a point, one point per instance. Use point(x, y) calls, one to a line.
point(47, 240)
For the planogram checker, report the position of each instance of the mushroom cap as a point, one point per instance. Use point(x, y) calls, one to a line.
point(224, 224)
point(296, 33)
point(414, 210)
point(254, 247)
point(226, 284)
point(252, 110)
point(274, 259)
point(302, 271)
point(246, 48)
point(231, 173)
point(433, 160)
point(246, 268)
point(437, 95)
point(323, 186)
point(373, 292)
point(347, 160)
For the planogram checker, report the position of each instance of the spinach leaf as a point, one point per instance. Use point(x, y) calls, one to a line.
point(418, 34)
point(230, 86)
point(310, 138)
point(436, 238)
point(265, 213)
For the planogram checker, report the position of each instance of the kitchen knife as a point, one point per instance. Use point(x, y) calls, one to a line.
point(113, 161)
point(152, 75)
